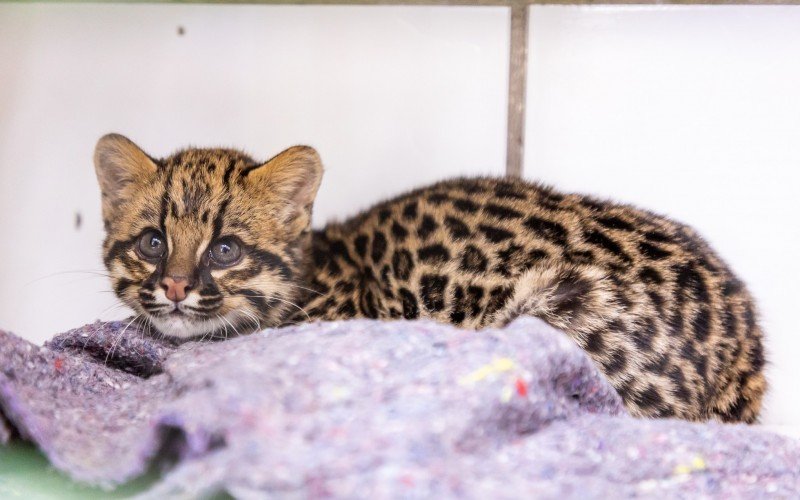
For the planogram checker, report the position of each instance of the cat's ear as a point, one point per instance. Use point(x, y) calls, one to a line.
point(293, 175)
point(119, 164)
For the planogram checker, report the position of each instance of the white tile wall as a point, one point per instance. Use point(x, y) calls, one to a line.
point(390, 96)
point(693, 112)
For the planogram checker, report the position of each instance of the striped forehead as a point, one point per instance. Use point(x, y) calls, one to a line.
point(198, 181)
point(191, 193)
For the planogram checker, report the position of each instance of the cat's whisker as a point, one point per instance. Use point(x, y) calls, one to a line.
point(232, 326)
point(147, 323)
point(275, 297)
point(252, 318)
point(293, 305)
point(256, 320)
point(112, 307)
point(224, 326)
point(203, 337)
point(81, 280)
point(295, 285)
point(212, 332)
point(110, 353)
point(61, 273)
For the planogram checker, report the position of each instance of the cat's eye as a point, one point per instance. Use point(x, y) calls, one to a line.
point(151, 245)
point(225, 252)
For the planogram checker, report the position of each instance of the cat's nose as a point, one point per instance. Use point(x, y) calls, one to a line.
point(175, 287)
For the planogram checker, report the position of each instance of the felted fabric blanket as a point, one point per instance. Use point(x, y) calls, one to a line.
point(363, 409)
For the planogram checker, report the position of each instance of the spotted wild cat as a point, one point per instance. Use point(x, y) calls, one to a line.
point(209, 240)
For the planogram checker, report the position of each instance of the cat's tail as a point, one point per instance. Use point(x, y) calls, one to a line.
point(575, 298)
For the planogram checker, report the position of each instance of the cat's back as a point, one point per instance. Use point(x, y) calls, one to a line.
point(494, 215)
point(493, 230)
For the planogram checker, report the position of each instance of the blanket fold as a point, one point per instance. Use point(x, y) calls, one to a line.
point(363, 409)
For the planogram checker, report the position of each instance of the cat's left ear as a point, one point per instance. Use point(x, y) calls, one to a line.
point(293, 175)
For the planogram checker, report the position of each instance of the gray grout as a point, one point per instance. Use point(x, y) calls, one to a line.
point(517, 76)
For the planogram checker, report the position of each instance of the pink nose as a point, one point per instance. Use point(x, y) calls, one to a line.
point(175, 287)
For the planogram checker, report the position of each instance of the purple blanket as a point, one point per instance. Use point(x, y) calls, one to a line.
point(366, 409)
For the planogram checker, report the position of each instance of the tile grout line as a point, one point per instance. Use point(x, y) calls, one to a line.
point(517, 73)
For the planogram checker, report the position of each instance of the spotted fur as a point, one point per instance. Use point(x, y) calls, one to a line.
point(660, 313)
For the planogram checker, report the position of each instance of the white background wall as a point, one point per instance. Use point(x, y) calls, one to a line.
point(690, 111)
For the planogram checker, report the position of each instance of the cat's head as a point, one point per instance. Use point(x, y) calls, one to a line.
point(206, 240)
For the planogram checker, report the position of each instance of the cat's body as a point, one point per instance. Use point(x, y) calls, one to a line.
point(673, 329)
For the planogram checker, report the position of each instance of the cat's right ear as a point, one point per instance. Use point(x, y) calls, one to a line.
point(120, 165)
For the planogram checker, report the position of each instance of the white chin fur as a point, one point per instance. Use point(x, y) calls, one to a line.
point(183, 327)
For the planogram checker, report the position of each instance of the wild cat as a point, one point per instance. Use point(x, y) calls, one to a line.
point(208, 240)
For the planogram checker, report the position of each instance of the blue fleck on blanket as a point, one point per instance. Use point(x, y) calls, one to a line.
point(365, 409)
